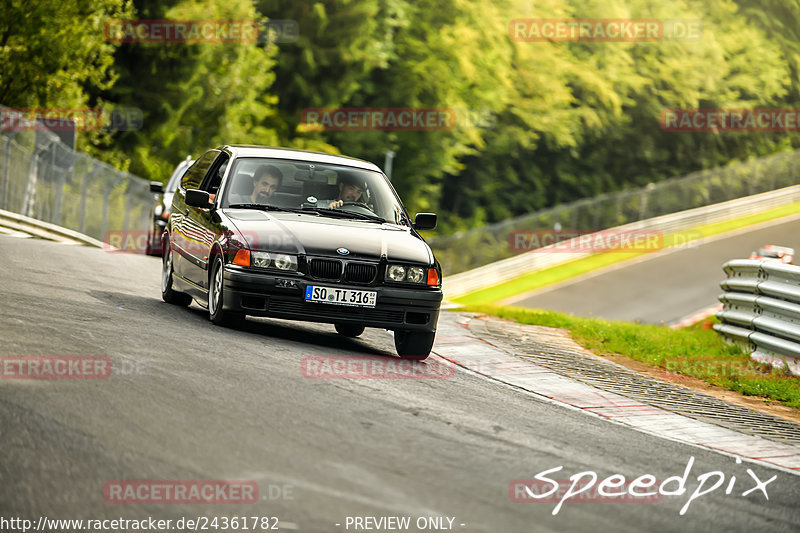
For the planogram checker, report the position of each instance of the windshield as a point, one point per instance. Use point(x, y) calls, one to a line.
point(775, 251)
point(329, 190)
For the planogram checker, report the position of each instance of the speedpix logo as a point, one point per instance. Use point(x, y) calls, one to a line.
point(645, 488)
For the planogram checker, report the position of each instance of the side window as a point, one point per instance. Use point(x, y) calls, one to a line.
point(214, 177)
point(194, 176)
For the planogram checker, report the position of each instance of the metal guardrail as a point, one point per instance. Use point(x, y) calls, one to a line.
point(45, 230)
point(41, 178)
point(507, 269)
point(467, 250)
point(762, 310)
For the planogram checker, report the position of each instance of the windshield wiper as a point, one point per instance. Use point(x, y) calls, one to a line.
point(340, 213)
point(264, 207)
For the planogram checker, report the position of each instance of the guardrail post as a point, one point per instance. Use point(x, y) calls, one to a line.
point(29, 201)
point(84, 187)
point(6, 164)
point(106, 195)
point(62, 183)
point(127, 207)
point(30, 191)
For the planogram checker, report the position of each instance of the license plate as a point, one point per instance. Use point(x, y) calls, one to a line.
point(332, 295)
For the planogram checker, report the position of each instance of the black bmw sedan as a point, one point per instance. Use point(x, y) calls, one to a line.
point(301, 235)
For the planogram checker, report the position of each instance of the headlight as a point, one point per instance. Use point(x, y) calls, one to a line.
point(409, 274)
point(260, 259)
point(396, 273)
point(279, 261)
point(286, 262)
point(415, 274)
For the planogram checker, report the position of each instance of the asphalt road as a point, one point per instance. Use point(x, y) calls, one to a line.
point(191, 401)
point(659, 288)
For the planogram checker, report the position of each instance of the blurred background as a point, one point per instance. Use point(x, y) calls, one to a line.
point(539, 124)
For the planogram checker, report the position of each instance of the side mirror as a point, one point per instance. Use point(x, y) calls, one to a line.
point(198, 198)
point(156, 186)
point(425, 221)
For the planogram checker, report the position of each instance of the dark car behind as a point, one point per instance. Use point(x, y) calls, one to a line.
point(159, 213)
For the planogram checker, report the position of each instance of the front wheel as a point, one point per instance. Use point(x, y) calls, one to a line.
point(168, 294)
point(414, 345)
point(216, 296)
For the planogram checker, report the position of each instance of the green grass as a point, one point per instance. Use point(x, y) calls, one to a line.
point(559, 273)
point(693, 351)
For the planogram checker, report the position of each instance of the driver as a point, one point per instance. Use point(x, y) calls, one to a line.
point(351, 189)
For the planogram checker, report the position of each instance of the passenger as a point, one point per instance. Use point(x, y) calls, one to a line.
point(266, 181)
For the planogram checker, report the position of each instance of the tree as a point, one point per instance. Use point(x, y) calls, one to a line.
point(52, 52)
point(193, 96)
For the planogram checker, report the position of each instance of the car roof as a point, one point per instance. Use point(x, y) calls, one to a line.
point(249, 150)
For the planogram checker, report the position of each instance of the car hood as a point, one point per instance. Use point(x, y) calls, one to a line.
point(322, 236)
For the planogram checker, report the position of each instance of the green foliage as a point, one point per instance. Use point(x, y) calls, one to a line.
point(556, 121)
point(51, 51)
point(193, 96)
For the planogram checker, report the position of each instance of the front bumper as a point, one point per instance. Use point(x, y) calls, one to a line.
point(396, 308)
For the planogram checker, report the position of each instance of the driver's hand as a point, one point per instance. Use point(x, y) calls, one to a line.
point(335, 204)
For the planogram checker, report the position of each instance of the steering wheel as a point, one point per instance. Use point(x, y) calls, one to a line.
point(357, 204)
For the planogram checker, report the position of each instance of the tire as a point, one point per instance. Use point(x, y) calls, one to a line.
point(349, 330)
point(414, 345)
point(216, 296)
point(168, 294)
